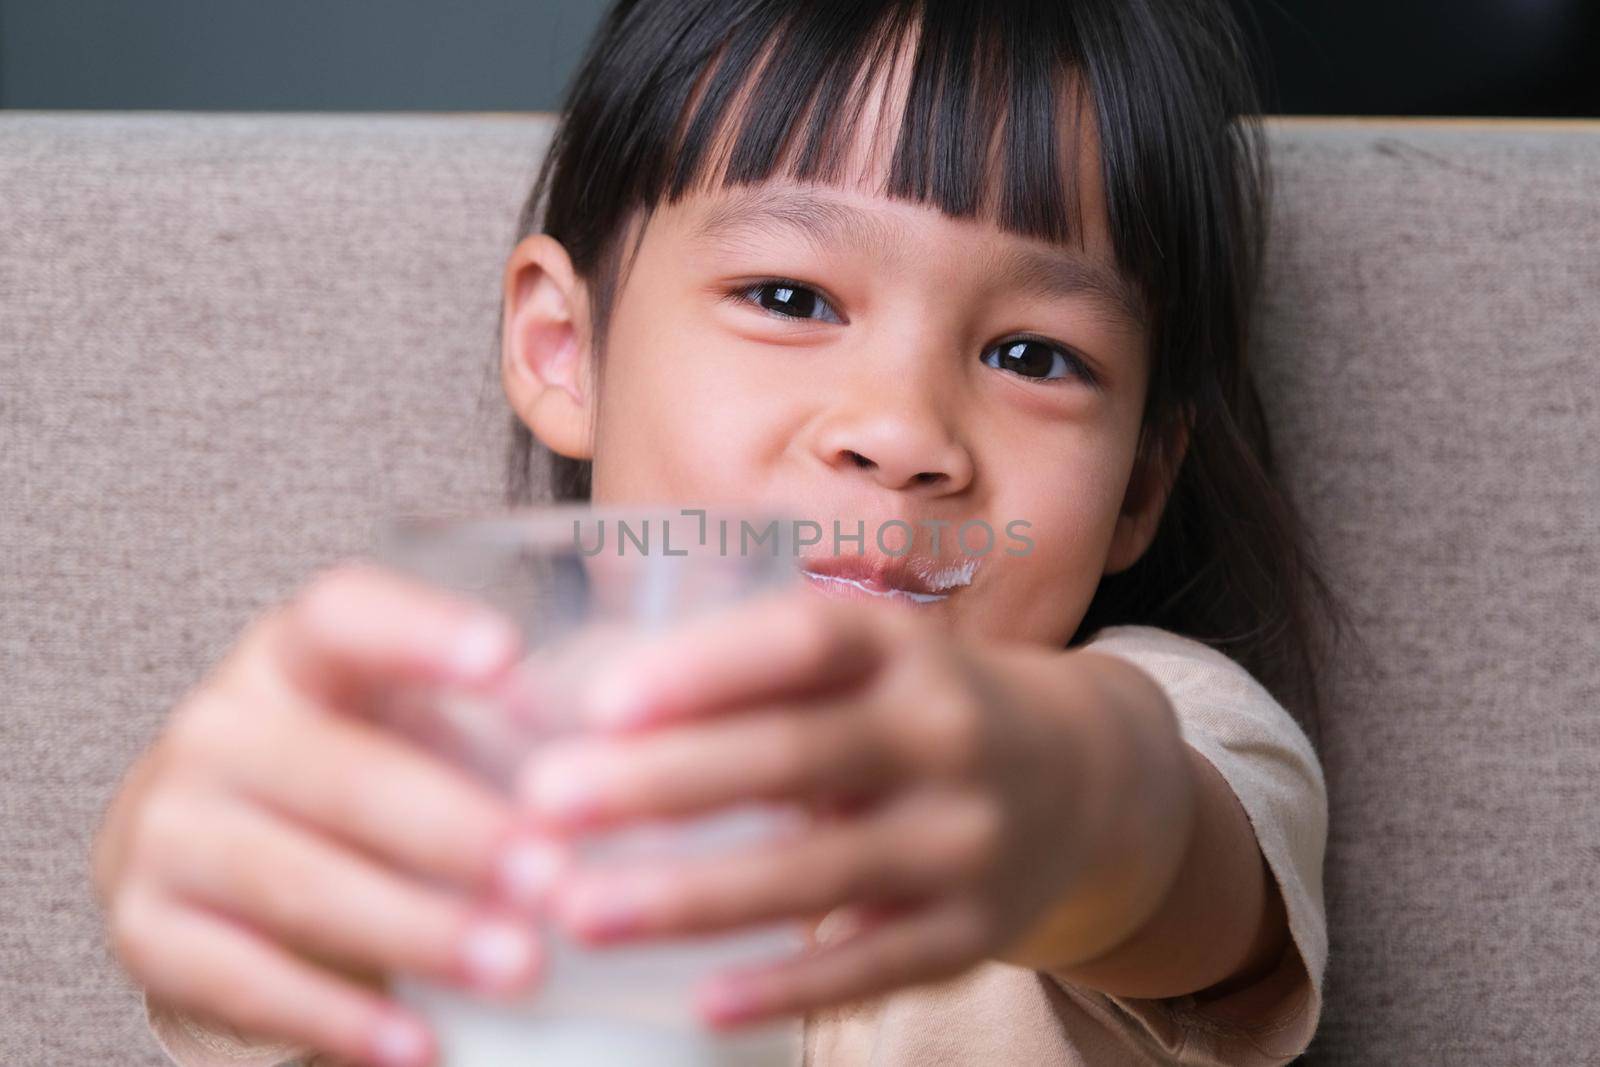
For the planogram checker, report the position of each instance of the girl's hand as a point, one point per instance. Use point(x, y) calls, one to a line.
point(272, 844)
point(938, 772)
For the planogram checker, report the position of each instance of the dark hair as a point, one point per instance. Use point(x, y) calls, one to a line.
point(1171, 85)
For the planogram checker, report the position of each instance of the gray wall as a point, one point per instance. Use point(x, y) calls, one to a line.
point(1348, 57)
point(292, 55)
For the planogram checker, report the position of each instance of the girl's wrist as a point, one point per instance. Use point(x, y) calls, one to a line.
point(1135, 814)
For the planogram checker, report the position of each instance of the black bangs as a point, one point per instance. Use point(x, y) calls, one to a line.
point(735, 94)
point(789, 87)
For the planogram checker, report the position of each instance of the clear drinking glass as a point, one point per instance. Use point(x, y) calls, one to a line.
point(583, 583)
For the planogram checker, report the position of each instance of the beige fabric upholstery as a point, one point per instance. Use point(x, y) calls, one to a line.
point(230, 342)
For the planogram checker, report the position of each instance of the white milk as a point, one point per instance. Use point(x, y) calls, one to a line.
point(626, 1003)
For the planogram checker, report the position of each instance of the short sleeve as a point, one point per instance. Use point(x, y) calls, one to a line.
point(189, 1042)
point(1226, 715)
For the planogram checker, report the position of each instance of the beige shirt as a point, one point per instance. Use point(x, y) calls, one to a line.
point(997, 1013)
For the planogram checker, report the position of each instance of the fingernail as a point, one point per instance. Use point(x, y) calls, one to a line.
point(497, 953)
point(727, 1000)
point(399, 1041)
point(838, 925)
point(615, 906)
point(528, 870)
point(564, 787)
point(482, 644)
point(618, 698)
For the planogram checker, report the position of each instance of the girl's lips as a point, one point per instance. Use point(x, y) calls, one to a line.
point(921, 579)
point(855, 588)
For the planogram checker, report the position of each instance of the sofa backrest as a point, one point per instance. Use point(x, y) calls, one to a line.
point(229, 343)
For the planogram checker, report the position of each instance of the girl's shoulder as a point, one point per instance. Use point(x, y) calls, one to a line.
point(1138, 639)
point(1208, 688)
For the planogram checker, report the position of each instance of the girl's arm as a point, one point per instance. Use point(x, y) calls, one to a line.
point(1183, 900)
point(1033, 805)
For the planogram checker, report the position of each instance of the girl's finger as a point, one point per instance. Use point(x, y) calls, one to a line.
point(358, 629)
point(928, 944)
point(304, 891)
point(919, 845)
point(783, 753)
point(852, 920)
point(354, 780)
point(774, 646)
point(199, 961)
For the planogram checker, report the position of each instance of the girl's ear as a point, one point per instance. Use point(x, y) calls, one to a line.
point(1155, 470)
point(546, 361)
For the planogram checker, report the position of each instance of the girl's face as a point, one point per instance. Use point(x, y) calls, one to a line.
point(836, 355)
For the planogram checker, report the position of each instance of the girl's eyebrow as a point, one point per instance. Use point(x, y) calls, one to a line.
point(1058, 274)
point(824, 221)
point(829, 223)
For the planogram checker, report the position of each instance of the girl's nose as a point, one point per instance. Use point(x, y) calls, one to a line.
point(902, 443)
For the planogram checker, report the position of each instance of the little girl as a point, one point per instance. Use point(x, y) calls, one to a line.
point(877, 262)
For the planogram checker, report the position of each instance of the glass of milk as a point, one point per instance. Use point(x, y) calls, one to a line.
point(583, 582)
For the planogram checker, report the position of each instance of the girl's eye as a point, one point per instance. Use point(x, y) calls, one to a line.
point(1025, 356)
point(1036, 359)
point(789, 300)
